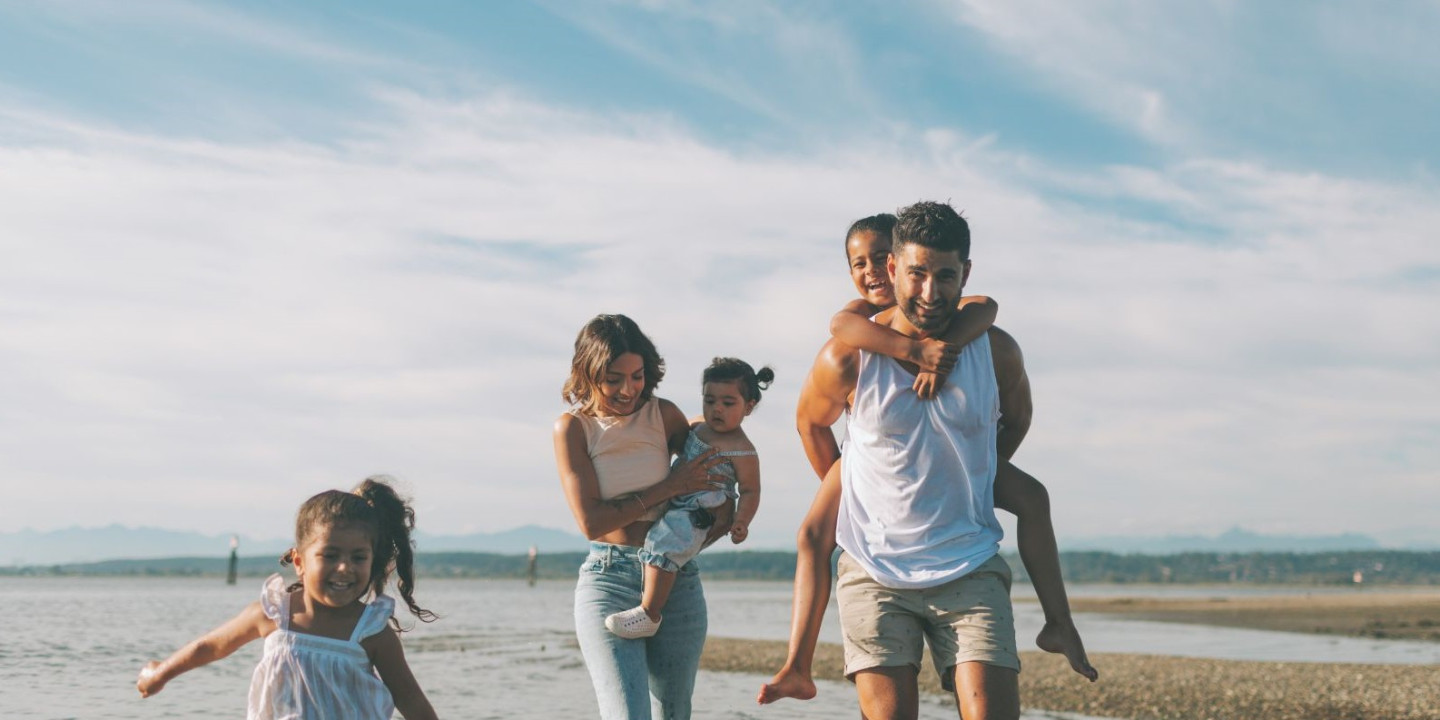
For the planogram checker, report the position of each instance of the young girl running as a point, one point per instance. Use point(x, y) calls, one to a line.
point(731, 390)
point(323, 643)
point(867, 250)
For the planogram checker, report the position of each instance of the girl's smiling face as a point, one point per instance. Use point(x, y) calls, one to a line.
point(335, 566)
point(868, 252)
point(622, 385)
point(725, 405)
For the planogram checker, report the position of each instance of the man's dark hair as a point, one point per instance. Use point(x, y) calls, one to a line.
point(882, 225)
point(933, 225)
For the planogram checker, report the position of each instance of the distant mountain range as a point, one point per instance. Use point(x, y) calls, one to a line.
point(78, 545)
point(75, 545)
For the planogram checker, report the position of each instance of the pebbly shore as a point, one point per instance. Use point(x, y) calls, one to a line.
point(1146, 687)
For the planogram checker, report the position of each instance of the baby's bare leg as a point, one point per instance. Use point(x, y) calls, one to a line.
point(658, 584)
point(1025, 496)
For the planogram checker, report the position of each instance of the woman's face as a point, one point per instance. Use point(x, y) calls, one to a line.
point(622, 384)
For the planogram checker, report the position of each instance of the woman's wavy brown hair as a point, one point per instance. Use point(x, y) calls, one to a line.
point(600, 342)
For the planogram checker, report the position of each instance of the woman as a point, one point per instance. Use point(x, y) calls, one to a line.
point(613, 451)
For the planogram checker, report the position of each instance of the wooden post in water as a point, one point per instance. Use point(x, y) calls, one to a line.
point(234, 560)
point(530, 571)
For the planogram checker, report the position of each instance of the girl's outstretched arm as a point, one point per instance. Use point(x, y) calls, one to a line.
point(388, 656)
point(814, 545)
point(250, 624)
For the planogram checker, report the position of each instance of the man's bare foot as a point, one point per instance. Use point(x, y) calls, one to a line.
point(786, 683)
point(1065, 639)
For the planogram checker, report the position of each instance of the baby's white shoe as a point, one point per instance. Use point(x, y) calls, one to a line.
point(632, 623)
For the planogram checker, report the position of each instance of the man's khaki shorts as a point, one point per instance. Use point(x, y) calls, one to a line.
point(968, 619)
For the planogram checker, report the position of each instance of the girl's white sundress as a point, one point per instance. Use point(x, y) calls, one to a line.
point(309, 677)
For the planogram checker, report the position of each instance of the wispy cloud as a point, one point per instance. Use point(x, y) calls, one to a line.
point(783, 64)
point(1102, 56)
point(1293, 84)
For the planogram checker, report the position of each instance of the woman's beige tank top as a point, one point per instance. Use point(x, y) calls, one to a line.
point(630, 453)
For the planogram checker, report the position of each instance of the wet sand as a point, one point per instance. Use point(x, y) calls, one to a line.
point(1176, 688)
point(1404, 616)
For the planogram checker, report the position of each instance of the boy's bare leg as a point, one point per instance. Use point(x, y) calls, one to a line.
point(814, 546)
point(1027, 498)
point(986, 692)
point(658, 584)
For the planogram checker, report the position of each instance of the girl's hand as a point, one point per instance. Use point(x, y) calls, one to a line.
point(739, 533)
point(934, 355)
point(694, 474)
point(927, 384)
point(149, 682)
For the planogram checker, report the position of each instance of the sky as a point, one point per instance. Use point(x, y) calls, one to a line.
point(254, 251)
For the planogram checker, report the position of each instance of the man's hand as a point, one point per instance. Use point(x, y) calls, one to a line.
point(739, 533)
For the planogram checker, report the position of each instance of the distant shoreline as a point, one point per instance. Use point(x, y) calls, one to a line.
point(1329, 569)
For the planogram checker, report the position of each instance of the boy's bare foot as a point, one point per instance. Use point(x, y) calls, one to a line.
point(1065, 639)
point(786, 683)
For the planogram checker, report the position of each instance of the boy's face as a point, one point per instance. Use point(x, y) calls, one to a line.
point(867, 252)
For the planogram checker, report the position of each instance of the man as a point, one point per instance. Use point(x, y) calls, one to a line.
point(916, 518)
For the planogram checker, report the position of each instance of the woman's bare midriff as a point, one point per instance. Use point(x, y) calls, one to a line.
point(632, 535)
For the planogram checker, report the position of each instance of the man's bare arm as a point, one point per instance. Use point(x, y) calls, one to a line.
point(823, 398)
point(1016, 408)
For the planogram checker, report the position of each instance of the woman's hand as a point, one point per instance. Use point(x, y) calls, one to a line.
point(694, 475)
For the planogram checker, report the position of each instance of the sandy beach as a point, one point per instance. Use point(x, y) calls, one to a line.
point(1175, 688)
point(1405, 616)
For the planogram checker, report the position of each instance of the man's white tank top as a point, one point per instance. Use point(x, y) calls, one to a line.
point(918, 507)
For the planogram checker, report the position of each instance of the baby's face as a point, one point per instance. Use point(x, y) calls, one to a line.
point(725, 405)
point(867, 253)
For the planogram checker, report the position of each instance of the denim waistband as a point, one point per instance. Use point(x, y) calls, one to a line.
point(610, 551)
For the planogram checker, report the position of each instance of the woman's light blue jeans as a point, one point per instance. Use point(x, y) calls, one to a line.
point(629, 674)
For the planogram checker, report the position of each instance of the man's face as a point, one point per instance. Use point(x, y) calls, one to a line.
point(927, 284)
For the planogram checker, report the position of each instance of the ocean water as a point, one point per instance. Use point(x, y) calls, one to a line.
point(73, 646)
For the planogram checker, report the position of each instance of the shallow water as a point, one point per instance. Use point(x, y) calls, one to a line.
point(501, 650)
